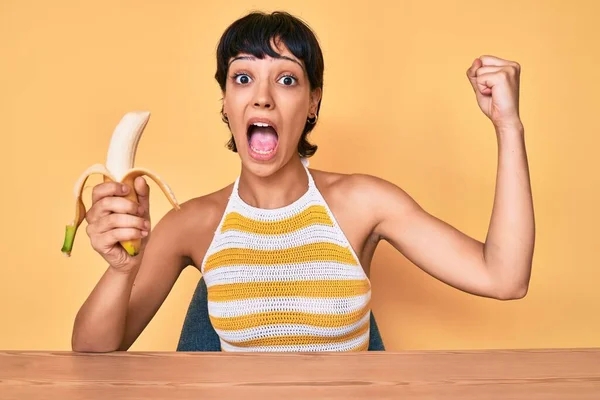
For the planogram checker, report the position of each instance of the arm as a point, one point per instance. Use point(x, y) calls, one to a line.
point(498, 268)
point(124, 302)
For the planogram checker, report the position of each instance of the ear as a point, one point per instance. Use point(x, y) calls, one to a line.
point(315, 97)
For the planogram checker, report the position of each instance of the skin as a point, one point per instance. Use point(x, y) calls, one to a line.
point(368, 209)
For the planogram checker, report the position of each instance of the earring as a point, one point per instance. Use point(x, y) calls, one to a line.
point(312, 120)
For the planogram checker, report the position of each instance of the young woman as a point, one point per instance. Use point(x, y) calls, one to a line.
point(285, 250)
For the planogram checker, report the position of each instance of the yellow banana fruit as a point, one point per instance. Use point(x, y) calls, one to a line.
point(119, 168)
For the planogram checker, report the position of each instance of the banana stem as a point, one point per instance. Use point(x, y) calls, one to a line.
point(70, 231)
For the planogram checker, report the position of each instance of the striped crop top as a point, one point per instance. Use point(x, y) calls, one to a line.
point(285, 279)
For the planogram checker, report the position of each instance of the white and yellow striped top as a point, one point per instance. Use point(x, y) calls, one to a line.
point(286, 279)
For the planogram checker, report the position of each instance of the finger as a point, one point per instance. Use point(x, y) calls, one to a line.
point(143, 192)
point(485, 82)
point(488, 60)
point(90, 229)
point(473, 72)
point(111, 237)
point(109, 205)
point(116, 221)
point(108, 189)
point(487, 70)
point(475, 65)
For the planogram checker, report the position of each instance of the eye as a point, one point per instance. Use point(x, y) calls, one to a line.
point(288, 80)
point(241, 79)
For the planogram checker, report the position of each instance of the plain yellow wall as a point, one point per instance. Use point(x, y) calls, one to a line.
point(397, 104)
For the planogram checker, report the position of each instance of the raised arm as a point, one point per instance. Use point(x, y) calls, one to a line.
point(499, 267)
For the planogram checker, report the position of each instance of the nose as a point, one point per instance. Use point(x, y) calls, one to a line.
point(263, 97)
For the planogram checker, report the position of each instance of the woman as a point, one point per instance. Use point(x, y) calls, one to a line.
point(285, 250)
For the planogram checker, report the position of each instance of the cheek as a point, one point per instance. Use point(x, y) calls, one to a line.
point(295, 105)
point(234, 106)
point(297, 114)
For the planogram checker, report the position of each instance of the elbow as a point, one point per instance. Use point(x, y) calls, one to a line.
point(84, 342)
point(90, 348)
point(79, 345)
point(511, 283)
point(514, 292)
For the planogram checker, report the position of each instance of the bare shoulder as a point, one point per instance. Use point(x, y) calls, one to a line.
point(363, 188)
point(201, 212)
point(195, 222)
point(369, 197)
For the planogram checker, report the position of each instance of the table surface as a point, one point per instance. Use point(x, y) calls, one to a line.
point(565, 374)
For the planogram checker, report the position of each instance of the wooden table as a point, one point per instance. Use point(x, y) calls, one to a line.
point(565, 374)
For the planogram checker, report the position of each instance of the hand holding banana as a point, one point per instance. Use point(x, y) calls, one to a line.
point(118, 219)
point(114, 219)
point(496, 85)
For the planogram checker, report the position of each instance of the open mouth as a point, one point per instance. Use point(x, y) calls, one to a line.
point(262, 140)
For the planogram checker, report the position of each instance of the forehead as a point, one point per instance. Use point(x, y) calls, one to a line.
point(279, 47)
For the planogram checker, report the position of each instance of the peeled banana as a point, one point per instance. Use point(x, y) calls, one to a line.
point(119, 168)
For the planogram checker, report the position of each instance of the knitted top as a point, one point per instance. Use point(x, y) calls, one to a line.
point(285, 279)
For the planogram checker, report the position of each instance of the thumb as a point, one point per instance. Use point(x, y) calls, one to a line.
point(143, 192)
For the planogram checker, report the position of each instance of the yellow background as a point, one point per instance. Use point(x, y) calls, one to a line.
point(397, 104)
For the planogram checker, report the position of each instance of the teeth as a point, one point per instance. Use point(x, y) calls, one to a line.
point(261, 151)
point(261, 124)
point(118, 168)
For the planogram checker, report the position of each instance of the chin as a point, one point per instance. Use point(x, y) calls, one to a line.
point(265, 168)
point(261, 168)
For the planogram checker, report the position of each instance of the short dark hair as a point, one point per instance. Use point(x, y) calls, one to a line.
point(252, 34)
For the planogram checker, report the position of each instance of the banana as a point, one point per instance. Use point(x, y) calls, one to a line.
point(119, 168)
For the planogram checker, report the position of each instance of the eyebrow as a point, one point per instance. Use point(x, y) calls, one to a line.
point(252, 58)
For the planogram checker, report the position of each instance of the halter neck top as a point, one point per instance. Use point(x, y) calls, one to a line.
point(285, 279)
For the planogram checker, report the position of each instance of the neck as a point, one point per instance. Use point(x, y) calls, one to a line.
point(278, 190)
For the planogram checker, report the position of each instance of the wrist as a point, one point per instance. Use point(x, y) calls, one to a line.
point(129, 270)
point(511, 128)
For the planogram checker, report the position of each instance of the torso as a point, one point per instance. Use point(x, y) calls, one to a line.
point(355, 222)
point(292, 278)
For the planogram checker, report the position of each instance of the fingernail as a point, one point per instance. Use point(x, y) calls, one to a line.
point(144, 233)
point(146, 224)
point(124, 188)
